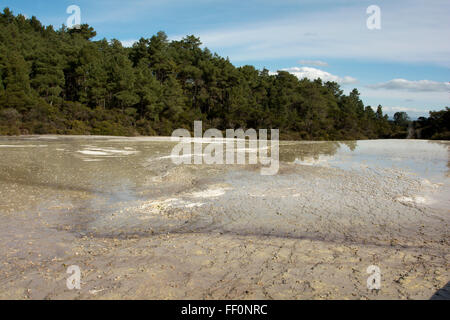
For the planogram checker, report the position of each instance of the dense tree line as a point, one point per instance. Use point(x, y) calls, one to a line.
point(63, 82)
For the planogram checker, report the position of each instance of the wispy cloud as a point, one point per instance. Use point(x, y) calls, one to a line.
point(313, 73)
point(412, 31)
point(415, 86)
point(315, 63)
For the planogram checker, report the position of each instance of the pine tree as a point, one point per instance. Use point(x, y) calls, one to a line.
point(48, 76)
point(18, 93)
point(149, 91)
point(121, 76)
point(172, 99)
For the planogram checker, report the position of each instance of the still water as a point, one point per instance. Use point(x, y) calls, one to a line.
point(99, 163)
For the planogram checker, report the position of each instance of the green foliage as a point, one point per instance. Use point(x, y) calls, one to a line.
point(64, 82)
point(436, 127)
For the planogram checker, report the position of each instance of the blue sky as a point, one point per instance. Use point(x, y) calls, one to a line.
point(404, 66)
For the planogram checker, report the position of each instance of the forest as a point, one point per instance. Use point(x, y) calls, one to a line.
point(64, 82)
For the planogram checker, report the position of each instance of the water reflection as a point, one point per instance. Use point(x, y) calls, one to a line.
point(86, 163)
point(426, 159)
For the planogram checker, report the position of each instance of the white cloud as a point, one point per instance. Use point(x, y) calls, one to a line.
point(316, 63)
point(415, 86)
point(313, 73)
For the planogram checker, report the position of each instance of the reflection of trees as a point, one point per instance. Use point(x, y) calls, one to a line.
point(447, 145)
point(351, 144)
point(290, 152)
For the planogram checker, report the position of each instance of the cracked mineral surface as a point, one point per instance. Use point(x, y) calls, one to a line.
point(141, 227)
